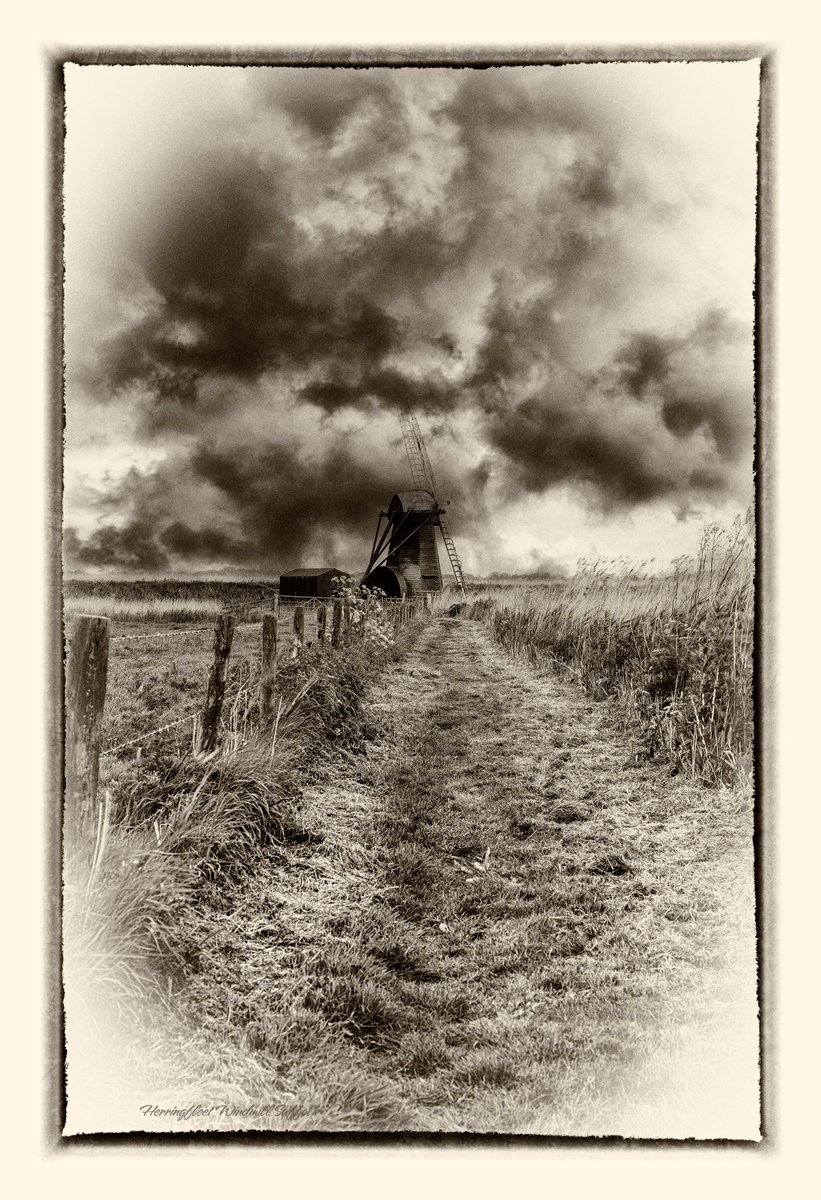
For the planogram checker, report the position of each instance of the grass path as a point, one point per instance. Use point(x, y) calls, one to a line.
point(495, 922)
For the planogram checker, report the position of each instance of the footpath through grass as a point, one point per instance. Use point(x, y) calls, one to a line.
point(493, 921)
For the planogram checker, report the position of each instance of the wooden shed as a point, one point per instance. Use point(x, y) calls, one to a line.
point(305, 583)
point(408, 544)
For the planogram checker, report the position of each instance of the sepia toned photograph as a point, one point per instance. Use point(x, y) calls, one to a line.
point(408, 579)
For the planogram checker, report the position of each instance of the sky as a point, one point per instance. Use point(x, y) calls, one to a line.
point(552, 266)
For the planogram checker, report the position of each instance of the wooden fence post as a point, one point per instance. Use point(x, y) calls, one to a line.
point(336, 624)
point(86, 675)
point(429, 602)
point(223, 637)
point(299, 630)
point(346, 621)
point(268, 674)
point(275, 604)
point(321, 618)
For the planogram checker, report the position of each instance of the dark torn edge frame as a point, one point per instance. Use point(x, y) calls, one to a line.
point(54, 1141)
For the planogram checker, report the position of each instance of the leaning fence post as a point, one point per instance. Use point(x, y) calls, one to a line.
point(223, 637)
point(86, 675)
point(268, 674)
point(321, 617)
point(299, 630)
point(428, 601)
point(336, 623)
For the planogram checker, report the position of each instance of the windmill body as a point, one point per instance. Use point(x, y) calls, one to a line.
point(405, 558)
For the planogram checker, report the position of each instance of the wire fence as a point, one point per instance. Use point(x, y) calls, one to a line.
point(145, 637)
point(242, 678)
point(143, 737)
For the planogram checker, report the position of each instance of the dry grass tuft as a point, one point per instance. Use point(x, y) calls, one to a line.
point(564, 814)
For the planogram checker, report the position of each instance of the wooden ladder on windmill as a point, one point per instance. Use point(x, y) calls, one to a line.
point(423, 477)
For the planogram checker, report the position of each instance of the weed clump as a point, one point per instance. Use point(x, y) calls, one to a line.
point(566, 814)
point(611, 864)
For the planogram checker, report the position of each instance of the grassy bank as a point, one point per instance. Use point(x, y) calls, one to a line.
point(176, 828)
point(675, 651)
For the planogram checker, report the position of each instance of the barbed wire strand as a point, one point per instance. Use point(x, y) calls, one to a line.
point(152, 733)
point(244, 604)
point(144, 637)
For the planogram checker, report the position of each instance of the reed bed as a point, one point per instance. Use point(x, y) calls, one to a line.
point(181, 601)
point(674, 651)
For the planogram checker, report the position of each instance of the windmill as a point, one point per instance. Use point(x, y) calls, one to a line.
point(404, 557)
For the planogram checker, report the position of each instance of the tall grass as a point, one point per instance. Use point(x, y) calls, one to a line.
point(675, 651)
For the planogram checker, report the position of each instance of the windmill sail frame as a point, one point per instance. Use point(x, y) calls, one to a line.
point(423, 477)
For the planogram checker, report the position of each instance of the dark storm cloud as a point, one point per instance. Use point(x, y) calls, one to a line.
point(547, 442)
point(237, 292)
point(645, 359)
point(669, 418)
point(387, 387)
point(700, 380)
point(205, 542)
point(226, 269)
point(261, 505)
point(241, 290)
point(325, 250)
point(322, 102)
point(594, 183)
point(286, 505)
point(129, 547)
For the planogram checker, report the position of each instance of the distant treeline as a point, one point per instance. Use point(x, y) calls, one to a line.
point(497, 579)
point(169, 589)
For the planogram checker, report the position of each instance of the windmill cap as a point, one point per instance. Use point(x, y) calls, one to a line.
point(416, 501)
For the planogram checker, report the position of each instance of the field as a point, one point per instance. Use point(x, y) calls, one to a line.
point(490, 871)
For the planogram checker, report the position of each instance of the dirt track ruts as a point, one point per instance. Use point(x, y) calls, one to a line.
point(502, 922)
